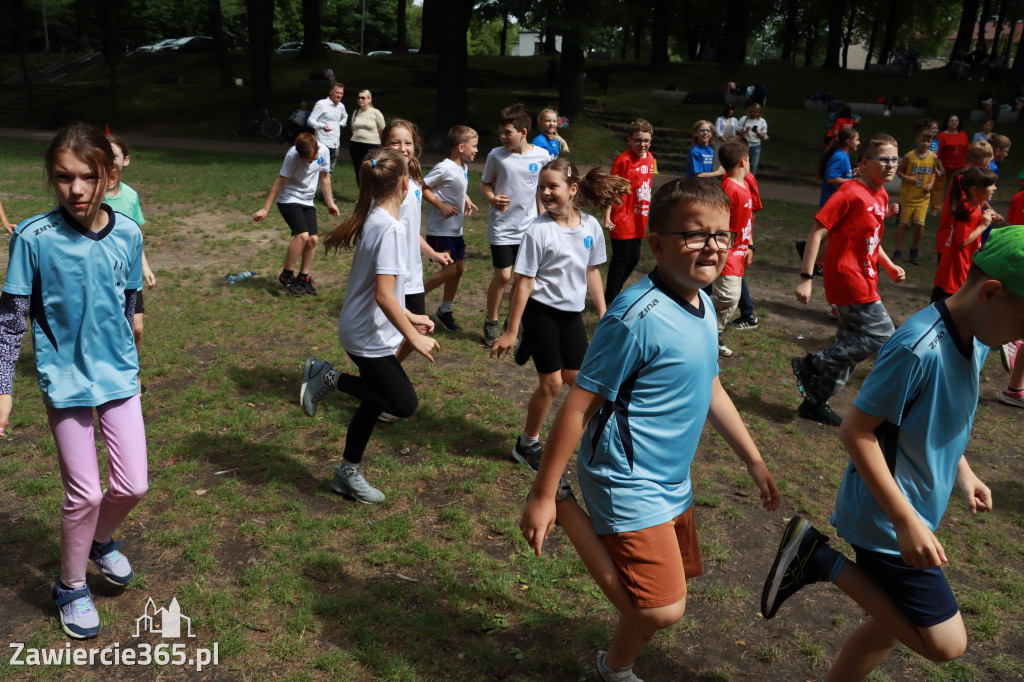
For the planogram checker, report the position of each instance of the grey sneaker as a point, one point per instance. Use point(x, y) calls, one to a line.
point(113, 565)
point(528, 454)
point(608, 675)
point(78, 615)
point(446, 320)
point(897, 256)
point(296, 287)
point(349, 482)
point(492, 332)
point(314, 387)
point(745, 322)
point(307, 286)
point(915, 257)
point(724, 351)
point(793, 567)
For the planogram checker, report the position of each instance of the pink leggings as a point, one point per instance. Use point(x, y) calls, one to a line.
point(88, 513)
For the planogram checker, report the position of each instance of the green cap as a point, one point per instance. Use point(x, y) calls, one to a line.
point(1002, 257)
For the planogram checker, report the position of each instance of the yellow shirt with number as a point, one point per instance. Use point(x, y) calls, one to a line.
point(921, 170)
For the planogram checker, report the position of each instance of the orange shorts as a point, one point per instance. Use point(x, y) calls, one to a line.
point(653, 573)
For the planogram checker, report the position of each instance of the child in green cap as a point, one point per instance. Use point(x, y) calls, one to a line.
point(906, 436)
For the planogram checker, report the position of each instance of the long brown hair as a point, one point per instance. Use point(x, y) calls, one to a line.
point(380, 177)
point(88, 144)
point(415, 172)
point(596, 189)
point(959, 205)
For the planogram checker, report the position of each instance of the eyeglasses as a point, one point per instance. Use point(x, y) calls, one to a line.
point(703, 130)
point(698, 239)
point(884, 160)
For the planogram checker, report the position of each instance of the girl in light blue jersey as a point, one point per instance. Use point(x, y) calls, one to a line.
point(85, 357)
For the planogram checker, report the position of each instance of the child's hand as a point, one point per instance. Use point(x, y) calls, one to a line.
point(6, 403)
point(424, 345)
point(8, 227)
point(979, 496)
point(333, 209)
point(505, 344)
point(260, 215)
point(918, 546)
point(897, 274)
point(891, 210)
point(500, 202)
point(442, 257)
point(149, 277)
point(748, 258)
point(609, 226)
point(423, 323)
point(770, 495)
point(997, 218)
point(447, 211)
point(931, 183)
point(855, 173)
point(803, 291)
point(470, 207)
point(537, 521)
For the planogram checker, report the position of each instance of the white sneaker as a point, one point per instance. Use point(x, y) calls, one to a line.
point(724, 351)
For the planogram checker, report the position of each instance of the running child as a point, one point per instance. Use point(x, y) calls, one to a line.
point(654, 359)
point(509, 184)
point(304, 164)
point(725, 290)
point(549, 139)
point(853, 219)
point(126, 200)
point(952, 150)
point(374, 326)
point(906, 436)
point(557, 266)
point(917, 172)
point(700, 162)
point(836, 167)
point(748, 318)
point(75, 270)
point(969, 192)
point(448, 206)
point(979, 155)
point(627, 222)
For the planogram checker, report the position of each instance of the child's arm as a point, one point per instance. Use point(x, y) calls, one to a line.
point(729, 424)
point(596, 289)
point(325, 189)
point(713, 174)
point(803, 290)
point(470, 207)
point(522, 287)
point(275, 189)
point(901, 170)
point(395, 312)
point(13, 311)
point(539, 515)
point(3, 220)
point(498, 201)
point(896, 273)
point(986, 220)
point(147, 274)
point(996, 217)
point(607, 220)
point(939, 168)
point(978, 495)
point(446, 210)
point(442, 257)
point(918, 545)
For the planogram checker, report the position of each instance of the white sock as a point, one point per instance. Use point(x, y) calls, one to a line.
point(446, 306)
point(529, 440)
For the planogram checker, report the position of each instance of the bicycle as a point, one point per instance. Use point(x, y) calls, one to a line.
point(248, 124)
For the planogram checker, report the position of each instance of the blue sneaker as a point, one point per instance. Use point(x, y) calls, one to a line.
point(78, 615)
point(313, 385)
point(112, 564)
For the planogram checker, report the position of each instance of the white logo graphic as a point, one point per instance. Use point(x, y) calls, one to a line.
point(163, 622)
point(643, 192)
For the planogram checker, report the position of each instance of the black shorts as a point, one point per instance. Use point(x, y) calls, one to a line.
point(504, 255)
point(921, 593)
point(300, 218)
point(556, 338)
point(416, 303)
point(140, 302)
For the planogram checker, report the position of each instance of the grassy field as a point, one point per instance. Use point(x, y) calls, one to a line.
point(293, 582)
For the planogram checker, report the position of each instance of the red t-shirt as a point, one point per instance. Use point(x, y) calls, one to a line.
point(956, 260)
point(741, 222)
point(1016, 214)
point(853, 216)
point(952, 149)
point(755, 193)
point(630, 219)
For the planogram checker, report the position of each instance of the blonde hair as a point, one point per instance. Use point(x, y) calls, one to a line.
point(596, 189)
point(562, 143)
point(979, 154)
point(380, 178)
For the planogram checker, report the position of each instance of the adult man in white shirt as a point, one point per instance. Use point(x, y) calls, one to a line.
point(328, 119)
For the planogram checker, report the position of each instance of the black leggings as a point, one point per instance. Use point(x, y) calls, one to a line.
point(625, 256)
point(382, 386)
point(358, 152)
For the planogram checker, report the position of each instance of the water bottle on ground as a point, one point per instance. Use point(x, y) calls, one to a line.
point(232, 279)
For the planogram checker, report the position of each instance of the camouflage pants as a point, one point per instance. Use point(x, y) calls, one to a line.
point(862, 330)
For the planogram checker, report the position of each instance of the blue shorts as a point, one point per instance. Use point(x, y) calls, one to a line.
point(921, 593)
point(455, 246)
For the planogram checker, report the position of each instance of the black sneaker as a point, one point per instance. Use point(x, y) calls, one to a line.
point(446, 320)
point(897, 256)
point(915, 257)
point(797, 363)
point(793, 567)
point(307, 286)
point(296, 287)
point(285, 281)
point(819, 412)
point(745, 322)
point(528, 454)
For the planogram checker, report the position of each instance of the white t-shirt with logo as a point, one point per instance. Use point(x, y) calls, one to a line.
point(448, 181)
point(302, 176)
point(363, 329)
point(558, 259)
point(515, 176)
point(410, 216)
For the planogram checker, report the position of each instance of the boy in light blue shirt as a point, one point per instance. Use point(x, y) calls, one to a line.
point(906, 437)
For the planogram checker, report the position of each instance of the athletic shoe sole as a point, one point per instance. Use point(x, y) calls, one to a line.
point(792, 538)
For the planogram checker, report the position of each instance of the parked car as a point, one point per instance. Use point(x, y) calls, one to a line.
point(379, 53)
point(296, 47)
point(192, 44)
point(337, 47)
point(290, 48)
point(158, 46)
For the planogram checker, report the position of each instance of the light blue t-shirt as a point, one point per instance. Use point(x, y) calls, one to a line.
point(837, 167)
point(654, 359)
point(552, 145)
point(77, 279)
point(925, 385)
point(127, 202)
point(700, 160)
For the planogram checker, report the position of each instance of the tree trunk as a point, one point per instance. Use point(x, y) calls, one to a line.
point(851, 20)
point(661, 19)
point(789, 32)
point(504, 33)
point(431, 25)
point(402, 29)
point(219, 43)
point(994, 54)
point(1014, 16)
point(811, 41)
point(966, 30)
point(638, 36)
point(261, 31)
point(550, 44)
point(735, 34)
point(312, 36)
point(570, 88)
point(452, 62)
point(625, 43)
point(836, 10)
point(892, 24)
point(986, 14)
point(873, 40)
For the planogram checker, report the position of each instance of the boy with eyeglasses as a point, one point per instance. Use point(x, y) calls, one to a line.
point(648, 383)
point(853, 218)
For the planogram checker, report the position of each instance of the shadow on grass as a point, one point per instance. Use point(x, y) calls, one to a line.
point(1009, 495)
point(253, 461)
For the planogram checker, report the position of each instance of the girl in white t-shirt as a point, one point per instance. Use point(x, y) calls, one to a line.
point(374, 327)
point(556, 266)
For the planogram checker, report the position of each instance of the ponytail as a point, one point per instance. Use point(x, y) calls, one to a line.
point(963, 181)
point(597, 189)
point(380, 178)
point(563, 145)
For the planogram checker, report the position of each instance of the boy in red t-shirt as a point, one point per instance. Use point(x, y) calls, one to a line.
point(626, 224)
point(853, 218)
point(725, 290)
